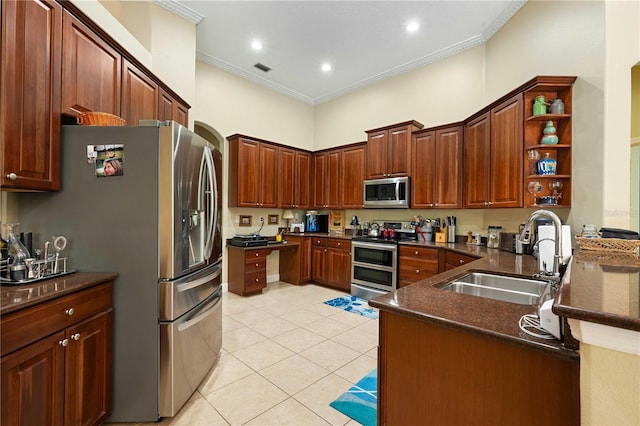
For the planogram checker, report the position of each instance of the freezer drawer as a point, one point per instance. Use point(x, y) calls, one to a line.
point(189, 347)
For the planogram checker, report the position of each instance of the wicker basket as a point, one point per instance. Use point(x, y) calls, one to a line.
point(615, 245)
point(100, 119)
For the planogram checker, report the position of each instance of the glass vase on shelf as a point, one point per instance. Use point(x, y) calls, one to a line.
point(556, 188)
point(534, 189)
point(534, 156)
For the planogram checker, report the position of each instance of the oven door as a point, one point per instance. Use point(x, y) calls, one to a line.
point(374, 265)
point(376, 254)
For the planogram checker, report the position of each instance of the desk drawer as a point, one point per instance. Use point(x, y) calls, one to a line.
point(318, 242)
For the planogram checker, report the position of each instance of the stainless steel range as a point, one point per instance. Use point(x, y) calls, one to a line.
point(374, 259)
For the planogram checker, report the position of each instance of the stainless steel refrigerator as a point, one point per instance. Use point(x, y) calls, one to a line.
point(144, 201)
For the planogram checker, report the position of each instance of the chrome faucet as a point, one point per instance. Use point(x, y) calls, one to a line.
point(525, 238)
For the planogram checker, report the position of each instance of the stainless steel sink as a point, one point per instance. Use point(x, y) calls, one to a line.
point(523, 291)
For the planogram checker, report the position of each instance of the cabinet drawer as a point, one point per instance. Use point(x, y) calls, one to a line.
point(416, 270)
point(255, 254)
point(318, 242)
point(255, 280)
point(252, 265)
point(457, 259)
point(420, 252)
point(30, 324)
point(339, 243)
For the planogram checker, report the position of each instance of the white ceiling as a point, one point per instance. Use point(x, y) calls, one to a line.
point(365, 41)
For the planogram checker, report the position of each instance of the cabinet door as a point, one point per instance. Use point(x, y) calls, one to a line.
point(339, 268)
point(88, 370)
point(33, 384)
point(267, 182)
point(91, 71)
point(319, 264)
point(286, 177)
point(244, 164)
point(170, 109)
point(399, 152)
point(333, 177)
point(305, 259)
point(507, 145)
point(377, 154)
point(352, 172)
point(319, 180)
point(424, 170)
point(477, 139)
point(302, 179)
point(139, 95)
point(31, 45)
point(448, 168)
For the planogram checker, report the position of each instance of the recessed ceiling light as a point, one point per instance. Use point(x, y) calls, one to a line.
point(256, 45)
point(412, 26)
point(326, 67)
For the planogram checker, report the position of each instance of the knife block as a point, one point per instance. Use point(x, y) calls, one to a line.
point(441, 237)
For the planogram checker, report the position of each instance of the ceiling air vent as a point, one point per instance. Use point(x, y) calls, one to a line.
point(262, 67)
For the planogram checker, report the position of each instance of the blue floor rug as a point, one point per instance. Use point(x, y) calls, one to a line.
point(360, 401)
point(353, 304)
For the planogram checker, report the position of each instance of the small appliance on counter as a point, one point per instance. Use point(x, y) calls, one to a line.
point(316, 223)
point(248, 241)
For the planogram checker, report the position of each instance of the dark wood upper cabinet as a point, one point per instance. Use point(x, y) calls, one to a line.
point(139, 95)
point(252, 172)
point(437, 168)
point(353, 173)
point(493, 156)
point(507, 145)
point(294, 174)
point(477, 152)
point(334, 194)
point(319, 180)
point(170, 109)
point(91, 70)
point(389, 150)
point(30, 95)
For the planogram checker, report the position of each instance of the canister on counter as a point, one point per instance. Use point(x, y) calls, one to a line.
point(493, 237)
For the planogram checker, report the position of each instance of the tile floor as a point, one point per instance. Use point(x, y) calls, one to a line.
point(285, 356)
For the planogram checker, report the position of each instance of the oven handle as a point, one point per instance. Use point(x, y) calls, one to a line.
point(201, 316)
point(200, 281)
point(381, 246)
point(373, 266)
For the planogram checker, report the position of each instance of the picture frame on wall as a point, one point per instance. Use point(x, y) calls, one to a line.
point(273, 219)
point(245, 220)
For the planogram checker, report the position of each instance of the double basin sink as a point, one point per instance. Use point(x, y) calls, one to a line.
point(519, 290)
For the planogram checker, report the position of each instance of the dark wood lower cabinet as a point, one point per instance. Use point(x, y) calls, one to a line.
point(56, 365)
point(339, 264)
point(433, 375)
point(295, 265)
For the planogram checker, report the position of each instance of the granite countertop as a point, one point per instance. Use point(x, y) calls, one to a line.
point(492, 318)
point(602, 288)
point(14, 297)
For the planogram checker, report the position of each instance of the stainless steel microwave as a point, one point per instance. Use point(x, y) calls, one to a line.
point(391, 193)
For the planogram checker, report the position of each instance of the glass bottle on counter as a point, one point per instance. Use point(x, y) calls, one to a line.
point(17, 251)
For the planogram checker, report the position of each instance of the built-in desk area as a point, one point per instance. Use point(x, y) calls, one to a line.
point(248, 265)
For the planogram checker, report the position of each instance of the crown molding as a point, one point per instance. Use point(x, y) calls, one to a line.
point(181, 10)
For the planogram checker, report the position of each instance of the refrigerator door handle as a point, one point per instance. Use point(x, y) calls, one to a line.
point(204, 280)
point(209, 186)
point(201, 316)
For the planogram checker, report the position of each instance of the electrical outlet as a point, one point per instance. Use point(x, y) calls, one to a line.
point(261, 219)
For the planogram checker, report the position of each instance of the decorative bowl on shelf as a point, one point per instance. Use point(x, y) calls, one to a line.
point(547, 200)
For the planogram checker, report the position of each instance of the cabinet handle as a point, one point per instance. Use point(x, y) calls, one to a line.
point(12, 176)
point(339, 244)
point(69, 311)
point(256, 265)
point(461, 261)
point(417, 271)
point(63, 342)
point(257, 254)
point(416, 252)
point(257, 279)
point(76, 336)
